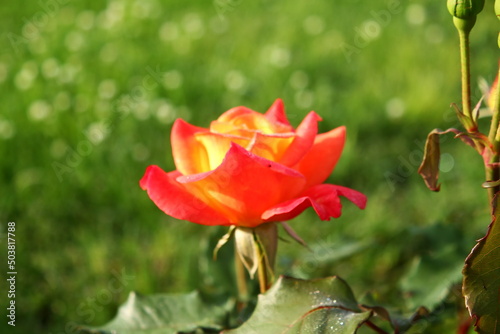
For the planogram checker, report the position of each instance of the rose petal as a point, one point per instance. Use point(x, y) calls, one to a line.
point(286, 210)
point(190, 156)
point(217, 145)
point(234, 113)
point(245, 118)
point(230, 129)
point(354, 196)
point(226, 122)
point(244, 186)
point(173, 198)
point(276, 114)
point(303, 141)
point(324, 198)
point(271, 147)
point(326, 205)
point(321, 159)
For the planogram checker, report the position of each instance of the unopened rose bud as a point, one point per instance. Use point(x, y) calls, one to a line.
point(465, 9)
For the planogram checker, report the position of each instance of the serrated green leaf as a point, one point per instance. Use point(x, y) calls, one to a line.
point(165, 314)
point(329, 320)
point(297, 306)
point(481, 284)
point(398, 323)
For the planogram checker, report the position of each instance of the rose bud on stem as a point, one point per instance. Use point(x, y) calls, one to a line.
point(464, 14)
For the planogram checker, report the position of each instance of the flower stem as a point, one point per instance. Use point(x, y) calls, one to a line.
point(492, 174)
point(493, 171)
point(465, 67)
point(495, 121)
point(241, 280)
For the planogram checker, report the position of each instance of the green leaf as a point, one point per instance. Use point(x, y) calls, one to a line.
point(329, 320)
point(165, 314)
point(398, 323)
point(297, 306)
point(481, 284)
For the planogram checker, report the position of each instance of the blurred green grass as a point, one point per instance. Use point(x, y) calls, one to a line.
point(72, 80)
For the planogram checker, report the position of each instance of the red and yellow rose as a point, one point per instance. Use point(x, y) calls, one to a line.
point(250, 168)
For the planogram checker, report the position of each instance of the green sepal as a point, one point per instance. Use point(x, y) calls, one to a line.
point(252, 242)
point(464, 25)
point(222, 241)
point(469, 123)
point(465, 9)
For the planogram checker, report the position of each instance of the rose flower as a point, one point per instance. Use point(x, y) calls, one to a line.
point(250, 168)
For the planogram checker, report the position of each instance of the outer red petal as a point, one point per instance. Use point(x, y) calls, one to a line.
point(303, 141)
point(324, 198)
point(354, 196)
point(321, 159)
point(173, 198)
point(244, 186)
point(276, 113)
point(189, 154)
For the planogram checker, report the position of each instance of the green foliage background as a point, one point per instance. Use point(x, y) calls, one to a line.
point(68, 68)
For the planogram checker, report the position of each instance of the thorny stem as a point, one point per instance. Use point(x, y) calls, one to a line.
point(493, 172)
point(495, 121)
